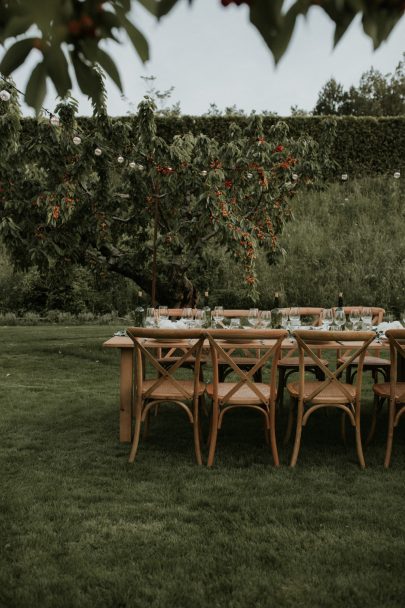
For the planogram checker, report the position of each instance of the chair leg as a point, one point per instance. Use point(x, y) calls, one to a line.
point(287, 435)
point(390, 435)
point(213, 438)
point(135, 441)
point(280, 388)
point(273, 439)
point(298, 432)
point(146, 426)
point(197, 433)
point(359, 446)
point(378, 403)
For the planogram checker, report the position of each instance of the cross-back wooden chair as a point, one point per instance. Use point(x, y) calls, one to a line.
point(373, 362)
point(246, 359)
point(393, 391)
point(289, 362)
point(165, 387)
point(309, 396)
point(244, 392)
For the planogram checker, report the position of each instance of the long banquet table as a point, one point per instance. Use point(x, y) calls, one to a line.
point(126, 347)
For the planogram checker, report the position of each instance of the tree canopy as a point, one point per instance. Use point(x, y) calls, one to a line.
point(69, 34)
point(118, 197)
point(376, 95)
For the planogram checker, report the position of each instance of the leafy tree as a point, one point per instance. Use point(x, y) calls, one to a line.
point(69, 34)
point(120, 198)
point(376, 95)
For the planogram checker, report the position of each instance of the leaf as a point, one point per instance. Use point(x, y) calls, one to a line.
point(164, 7)
point(150, 5)
point(16, 55)
point(57, 68)
point(87, 78)
point(109, 66)
point(137, 38)
point(36, 87)
point(17, 25)
point(276, 28)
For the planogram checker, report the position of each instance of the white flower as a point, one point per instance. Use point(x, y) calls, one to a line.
point(54, 120)
point(397, 174)
point(77, 140)
point(294, 177)
point(132, 165)
point(141, 167)
point(249, 175)
point(5, 95)
point(120, 160)
point(344, 177)
point(203, 173)
point(98, 152)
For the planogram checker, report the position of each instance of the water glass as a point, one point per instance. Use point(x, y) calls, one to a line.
point(295, 318)
point(327, 318)
point(340, 318)
point(355, 317)
point(253, 316)
point(150, 319)
point(367, 317)
point(163, 313)
point(265, 318)
point(218, 314)
point(198, 317)
point(187, 317)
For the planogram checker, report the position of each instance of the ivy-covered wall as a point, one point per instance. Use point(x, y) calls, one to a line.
point(363, 146)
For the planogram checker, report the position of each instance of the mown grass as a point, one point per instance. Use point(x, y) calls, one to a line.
point(81, 527)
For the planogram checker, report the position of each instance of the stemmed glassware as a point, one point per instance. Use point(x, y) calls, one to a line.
point(265, 318)
point(198, 317)
point(367, 317)
point(163, 313)
point(327, 318)
point(253, 317)
point(150, 319)
point(285, 318)
point(295, 318)
point(355, 317)
point(218, 314)
point(340, 318)
point(187, 317)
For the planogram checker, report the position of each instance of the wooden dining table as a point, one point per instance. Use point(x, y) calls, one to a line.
point(126, 385)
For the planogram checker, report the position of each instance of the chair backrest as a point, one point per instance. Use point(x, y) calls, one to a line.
point(309, 343)
point(396, 339)
point(377, 313)
point(148, 343)
point(265, 342)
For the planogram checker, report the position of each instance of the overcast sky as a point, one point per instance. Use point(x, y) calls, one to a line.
point(212, 54)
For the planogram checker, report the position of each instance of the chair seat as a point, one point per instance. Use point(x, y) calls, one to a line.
point(167, 390)
point(172, 359)
point(330, 394)
point(382, 389)
point(243, 396)
point(251, 361)
point(369, 361)
point(295, 362)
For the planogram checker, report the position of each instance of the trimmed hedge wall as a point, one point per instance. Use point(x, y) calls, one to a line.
point(363, 146)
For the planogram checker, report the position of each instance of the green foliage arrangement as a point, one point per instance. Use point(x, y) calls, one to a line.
point(121, 198)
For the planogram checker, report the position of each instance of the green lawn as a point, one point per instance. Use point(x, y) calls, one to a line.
point(80, 526)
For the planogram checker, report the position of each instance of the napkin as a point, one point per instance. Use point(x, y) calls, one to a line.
point(382, 327)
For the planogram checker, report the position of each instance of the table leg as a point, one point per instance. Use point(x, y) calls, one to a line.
point(401, 369)
point(126, 394)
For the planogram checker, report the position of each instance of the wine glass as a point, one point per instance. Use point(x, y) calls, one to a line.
point(367, 317)
point(285, 318)
point(265, 318)
point(403, 318)
point(340, 318)
point(327, 318)
point(295, 318)
point(198, 317)
point(218, 314)
point(355, 317)
point(234, 323)
point(150, 319)
point(163, 313)
point(187, 317)
point(253, 317)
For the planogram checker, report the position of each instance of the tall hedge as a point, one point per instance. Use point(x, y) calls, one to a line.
point(363, 146)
